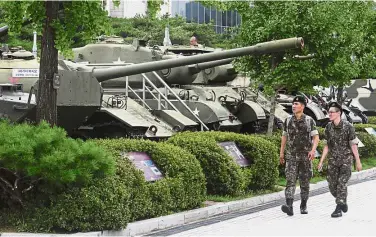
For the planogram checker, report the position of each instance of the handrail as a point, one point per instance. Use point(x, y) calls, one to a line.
point(203, 125)
point(180, 100)
point(154, 96)
point(156, 88)
point(139, 97)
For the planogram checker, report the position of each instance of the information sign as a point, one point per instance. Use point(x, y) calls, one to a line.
point(143, 162)
point(25, 72)
point(234, 152)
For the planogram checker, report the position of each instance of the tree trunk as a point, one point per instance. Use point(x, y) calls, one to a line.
point(46, 96)
point(340, 95)
point(276, 59)
point(272, 112)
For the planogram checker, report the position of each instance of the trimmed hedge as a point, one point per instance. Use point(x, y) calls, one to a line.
point(369, 141)
point(372, 119)
point(262, 155)
point(102, 205)
point(183, 185)
point(224, 176)
point(107, 202)
point(361, 127)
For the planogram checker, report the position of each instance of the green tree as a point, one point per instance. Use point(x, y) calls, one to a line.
point(154, 29)
point(332, 31)
point(57, 22)
point(153, 7)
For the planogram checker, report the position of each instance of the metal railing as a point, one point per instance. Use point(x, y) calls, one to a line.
point(161, 95)
point(167, 89)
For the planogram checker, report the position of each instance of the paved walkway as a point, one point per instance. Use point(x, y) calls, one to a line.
point(359, 220)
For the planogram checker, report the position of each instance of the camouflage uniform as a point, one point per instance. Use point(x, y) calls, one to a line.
point(339, 140)
point(299, 143)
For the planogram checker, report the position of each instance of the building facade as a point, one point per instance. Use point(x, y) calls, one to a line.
point(192, 11)
point(197, 13)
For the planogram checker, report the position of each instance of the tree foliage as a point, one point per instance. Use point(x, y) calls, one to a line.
point(84, 19)
point(153, 7)
point(154, 29)
point(332, 31)
point(57, 22)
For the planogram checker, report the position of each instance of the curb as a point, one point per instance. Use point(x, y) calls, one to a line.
point(179, 219)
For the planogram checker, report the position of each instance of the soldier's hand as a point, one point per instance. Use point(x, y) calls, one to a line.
point(358, 166)
point(311, 155)
point(319, 166)
point(281, 158)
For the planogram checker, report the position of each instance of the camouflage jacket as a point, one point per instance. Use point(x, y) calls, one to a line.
point(299, 134)
point(339, 140)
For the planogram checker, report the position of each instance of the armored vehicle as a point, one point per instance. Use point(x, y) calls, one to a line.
point(313, 109)
point(231, 89)
point(361, 95)
point(86, 110)
point(17, 65)
point(350, 112)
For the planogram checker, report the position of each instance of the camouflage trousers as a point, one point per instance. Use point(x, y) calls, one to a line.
point(337, 177)
point(301, 168)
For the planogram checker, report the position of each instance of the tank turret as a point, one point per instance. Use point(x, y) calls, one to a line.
point(258, 49)
point(107, 55)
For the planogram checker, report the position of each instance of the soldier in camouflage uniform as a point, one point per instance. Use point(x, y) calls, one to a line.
point(299, 130)
point(342, 146)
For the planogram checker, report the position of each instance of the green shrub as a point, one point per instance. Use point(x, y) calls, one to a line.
point(321, 133)
point(104, 204)
point(361, 127)
point(369, 142)
point(323, 172)
point(262, 154)
point(44, 154)
point(182, 188)
point(372, 120)
point(223, 175)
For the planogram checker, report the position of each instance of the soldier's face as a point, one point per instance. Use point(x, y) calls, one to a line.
point(297, 107)
point(334, 113)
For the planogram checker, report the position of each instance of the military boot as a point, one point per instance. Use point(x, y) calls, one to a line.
point(344, 206)
point(337, 212)
point(288, 209)
point(303, 207)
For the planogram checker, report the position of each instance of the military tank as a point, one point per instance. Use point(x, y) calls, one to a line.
point(313, 109)
point(251, 108)
point(17, 65)
point(85, 110)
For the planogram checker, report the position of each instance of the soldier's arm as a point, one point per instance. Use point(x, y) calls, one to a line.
point(314, 134)
point(284, 138)
point(353, 142)
point(326, 148)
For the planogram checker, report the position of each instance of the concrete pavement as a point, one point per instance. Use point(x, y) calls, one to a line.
point(359, 220)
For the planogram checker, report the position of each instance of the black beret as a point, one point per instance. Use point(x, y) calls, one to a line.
point(336, 105)
point(300, 99)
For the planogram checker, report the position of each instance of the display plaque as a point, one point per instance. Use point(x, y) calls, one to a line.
point(371, 131)
point(232, 149)
point(143, 162)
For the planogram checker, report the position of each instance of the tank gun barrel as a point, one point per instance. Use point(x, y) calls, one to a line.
point(202, 66)
point(3, 30)
point(258, 49)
